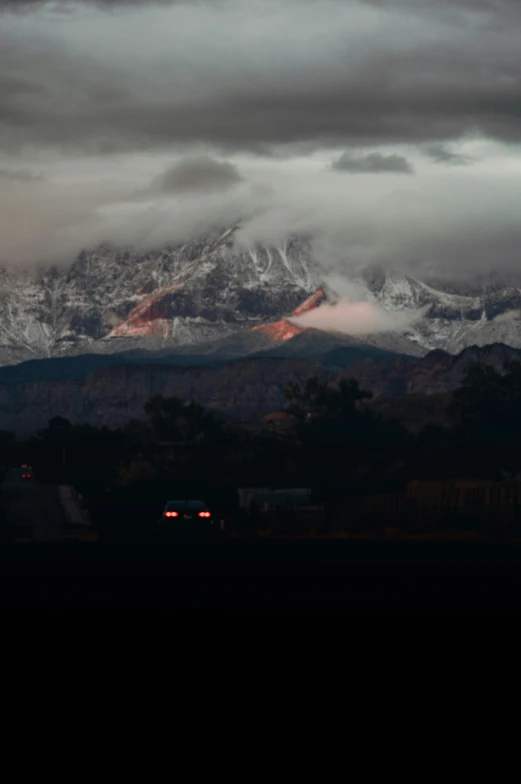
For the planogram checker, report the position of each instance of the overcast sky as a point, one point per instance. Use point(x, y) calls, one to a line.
point(389, 130)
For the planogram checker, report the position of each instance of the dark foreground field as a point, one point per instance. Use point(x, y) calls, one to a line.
point(349, 583)
point(304, 582)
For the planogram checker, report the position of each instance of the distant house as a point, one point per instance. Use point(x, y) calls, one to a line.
point(278, 422)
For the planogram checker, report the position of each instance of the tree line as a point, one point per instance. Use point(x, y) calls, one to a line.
point(337, 446)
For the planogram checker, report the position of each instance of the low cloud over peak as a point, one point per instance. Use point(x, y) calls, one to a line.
point(356, 318)
point(373, 162)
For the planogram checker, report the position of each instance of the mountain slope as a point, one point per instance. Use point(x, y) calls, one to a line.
point(309, 346)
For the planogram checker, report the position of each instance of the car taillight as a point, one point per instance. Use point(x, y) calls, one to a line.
point(171, 514)
point(204, 514)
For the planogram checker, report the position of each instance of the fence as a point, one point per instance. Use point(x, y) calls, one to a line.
point(465, 495)
point(488, 507)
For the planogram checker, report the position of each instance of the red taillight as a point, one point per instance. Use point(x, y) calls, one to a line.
point(171, 514)
point(204, 514)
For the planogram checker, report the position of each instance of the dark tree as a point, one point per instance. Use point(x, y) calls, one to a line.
point(318, 399)
point(174, 420)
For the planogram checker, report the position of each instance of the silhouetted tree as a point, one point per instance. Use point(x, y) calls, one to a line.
point(345, 447)
point(487, 411)
point(174, 420)
point(59, 424)
point(320, 399)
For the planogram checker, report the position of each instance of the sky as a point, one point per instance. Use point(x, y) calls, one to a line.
point(388, 131)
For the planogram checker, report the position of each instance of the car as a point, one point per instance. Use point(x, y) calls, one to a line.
point(188, 517)
point(26, 471)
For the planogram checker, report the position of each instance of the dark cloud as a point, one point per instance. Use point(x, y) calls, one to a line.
point(432, 7)
point(441, 154)
point(373, 162)
point(482, 8)
point(20, 175)
point(197, 173)
point(23, 6)
point(226, 75)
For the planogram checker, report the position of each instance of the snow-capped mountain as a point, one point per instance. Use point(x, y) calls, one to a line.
point(452, 320)
point(110, 301)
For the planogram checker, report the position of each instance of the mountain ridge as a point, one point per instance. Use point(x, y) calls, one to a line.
point(112, 301)
point(243, 389)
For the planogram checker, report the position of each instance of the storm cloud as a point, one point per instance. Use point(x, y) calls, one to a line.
point(153, 121)
point(197, 173)
point(238, 75)
point(26, 6)
point(20, 175)
point(441, 154)
point(372, 162)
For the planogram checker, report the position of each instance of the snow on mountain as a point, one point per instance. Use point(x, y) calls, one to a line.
point(453, 321)
point(110, 300)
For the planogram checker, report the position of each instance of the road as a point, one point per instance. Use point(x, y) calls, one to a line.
point(30, 509)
